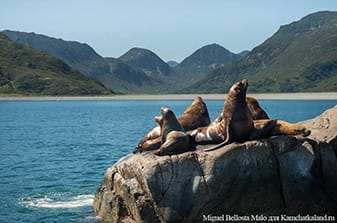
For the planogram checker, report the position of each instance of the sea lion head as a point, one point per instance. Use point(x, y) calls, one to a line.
point(169, 122)
point(240, 87)
point(168, 116)
point(238, 91)
point(166, 112)
point(198, 106)
point(197, 99)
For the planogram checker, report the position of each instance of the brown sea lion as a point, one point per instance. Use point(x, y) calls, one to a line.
point(265, 128)
point(255, 109)
point(261, 121)
point(281, 128)
point(174, 139)
point(235, 123)
point(196, 115)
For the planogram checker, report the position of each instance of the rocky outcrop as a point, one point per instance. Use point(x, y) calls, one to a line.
point(324, 127)
point(280, 175)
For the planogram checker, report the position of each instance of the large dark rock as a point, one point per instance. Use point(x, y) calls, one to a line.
point(280, 175)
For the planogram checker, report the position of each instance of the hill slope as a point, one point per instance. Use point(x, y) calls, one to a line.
point(204, 60)
point(127, 79)
point(25, 70)
point(113, 73)
point(78, 55)
point(147, 61)
point(300, 56)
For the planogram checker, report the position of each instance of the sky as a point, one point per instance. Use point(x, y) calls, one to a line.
point(172, 29)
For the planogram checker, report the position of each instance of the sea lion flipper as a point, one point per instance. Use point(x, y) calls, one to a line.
point(177, 142)
point(218, 146)
point(286, 128)
point(227, 141)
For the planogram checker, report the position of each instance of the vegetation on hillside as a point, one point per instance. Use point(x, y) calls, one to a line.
point(24, 70)
point(113, 73)
point(146, 61)
point(128, 79)
point(201, 62)
point(300, 56)
point(78, 55)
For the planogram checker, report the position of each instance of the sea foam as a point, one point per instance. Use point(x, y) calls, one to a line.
point(49, 202)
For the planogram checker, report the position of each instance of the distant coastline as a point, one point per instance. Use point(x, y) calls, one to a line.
point(275, 96)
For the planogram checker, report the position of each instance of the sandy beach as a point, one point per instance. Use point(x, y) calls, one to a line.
point(279, 96)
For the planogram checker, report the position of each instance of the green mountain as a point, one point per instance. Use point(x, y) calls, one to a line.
point(300, 56)
point(128, 79)
point(78, 55)
point(113, 73)
point(202, 61)
point(147, 61)
point(24, 70)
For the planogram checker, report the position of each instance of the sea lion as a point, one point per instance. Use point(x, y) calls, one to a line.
point(255, 109)
point(174, 139)
point(235, 123)
point(281, 128)
point(196, 115)
point(261, 122)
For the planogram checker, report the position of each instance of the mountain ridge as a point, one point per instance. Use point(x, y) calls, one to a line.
point(288, 61)
point(202, 61)
point(114, 74)
point(147, 61)
point(136, 71)
point(75, 54)
point(25, 70)
point(298, 57)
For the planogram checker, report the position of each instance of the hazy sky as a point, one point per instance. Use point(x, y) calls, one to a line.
point(172, 29)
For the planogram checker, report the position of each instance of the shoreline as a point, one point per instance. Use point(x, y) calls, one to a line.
point(263, 96)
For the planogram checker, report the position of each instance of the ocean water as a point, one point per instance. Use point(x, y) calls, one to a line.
point(53, 154)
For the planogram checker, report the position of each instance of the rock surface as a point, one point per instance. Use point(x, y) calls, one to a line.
point(280, 175)
point(324, 127)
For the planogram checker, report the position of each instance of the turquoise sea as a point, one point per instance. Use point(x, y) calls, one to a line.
point(53, 154)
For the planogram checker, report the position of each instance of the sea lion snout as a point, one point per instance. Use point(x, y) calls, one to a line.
point(198, 99)
point(244, 83)
point(164, 110)
point(240, 86)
